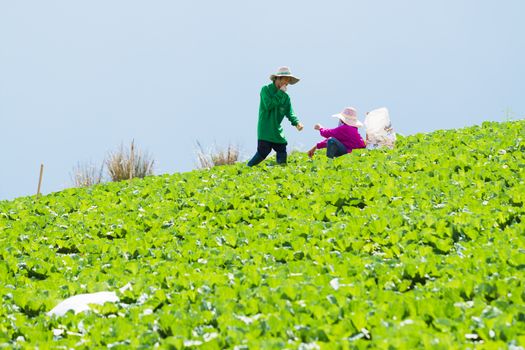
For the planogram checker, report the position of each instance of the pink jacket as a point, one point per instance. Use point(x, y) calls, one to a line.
point(346, 134)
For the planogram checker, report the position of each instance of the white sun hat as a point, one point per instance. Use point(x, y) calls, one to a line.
point(349, 117)
point(284, 72)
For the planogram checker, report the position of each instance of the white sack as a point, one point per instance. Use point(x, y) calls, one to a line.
point(379, 131)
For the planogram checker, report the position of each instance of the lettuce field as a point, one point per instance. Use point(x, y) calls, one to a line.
point(422, 246)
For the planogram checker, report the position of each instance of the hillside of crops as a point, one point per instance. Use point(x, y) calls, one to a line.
point(422, 246)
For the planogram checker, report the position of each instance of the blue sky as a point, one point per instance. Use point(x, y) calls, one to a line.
point(78, 78)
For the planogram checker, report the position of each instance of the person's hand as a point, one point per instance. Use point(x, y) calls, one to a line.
point(311, 151)
point(299, 126)
point(317, 126)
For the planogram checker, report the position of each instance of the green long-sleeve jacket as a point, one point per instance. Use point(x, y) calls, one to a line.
point(275, 105)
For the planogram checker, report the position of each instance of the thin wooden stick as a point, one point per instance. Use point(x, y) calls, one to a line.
point(40, 180)
point(132, 159)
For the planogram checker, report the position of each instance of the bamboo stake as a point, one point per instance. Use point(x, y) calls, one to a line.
point(40, 180)
point(132, 159)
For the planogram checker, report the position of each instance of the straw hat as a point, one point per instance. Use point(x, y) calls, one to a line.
point(284, 72)
point(349, 117)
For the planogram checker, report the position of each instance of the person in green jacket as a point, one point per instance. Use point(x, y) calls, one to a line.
point(274, 106)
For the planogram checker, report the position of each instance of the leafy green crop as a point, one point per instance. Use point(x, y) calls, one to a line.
point(422, 246)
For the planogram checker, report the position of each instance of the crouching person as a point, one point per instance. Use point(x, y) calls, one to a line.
point(342, 139)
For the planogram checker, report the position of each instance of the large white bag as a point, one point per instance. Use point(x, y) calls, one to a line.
point(379, 131)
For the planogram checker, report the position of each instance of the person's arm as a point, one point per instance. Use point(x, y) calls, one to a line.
point(293, 118)
point(270, 101)
point(311, 151)
point(321, 144)
point(326, 132)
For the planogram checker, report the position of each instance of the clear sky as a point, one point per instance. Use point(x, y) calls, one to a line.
point(78, 78)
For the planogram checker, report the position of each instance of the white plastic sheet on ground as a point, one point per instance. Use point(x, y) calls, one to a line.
point(379, 129)
point(79, 303)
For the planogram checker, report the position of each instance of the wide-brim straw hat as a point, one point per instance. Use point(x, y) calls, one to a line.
point(284, 72)
point(349, 117)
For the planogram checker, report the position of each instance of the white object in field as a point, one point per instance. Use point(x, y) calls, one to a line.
point(379, 131)
point(79, 303)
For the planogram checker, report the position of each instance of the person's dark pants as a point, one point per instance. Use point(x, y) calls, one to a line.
point(334, 148)
point(263, 150)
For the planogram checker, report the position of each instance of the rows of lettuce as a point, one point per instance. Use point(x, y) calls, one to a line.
point(421, 246)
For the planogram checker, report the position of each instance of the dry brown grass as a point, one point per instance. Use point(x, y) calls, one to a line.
point(128, 163)
point(87, 174)
point(217, 156)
